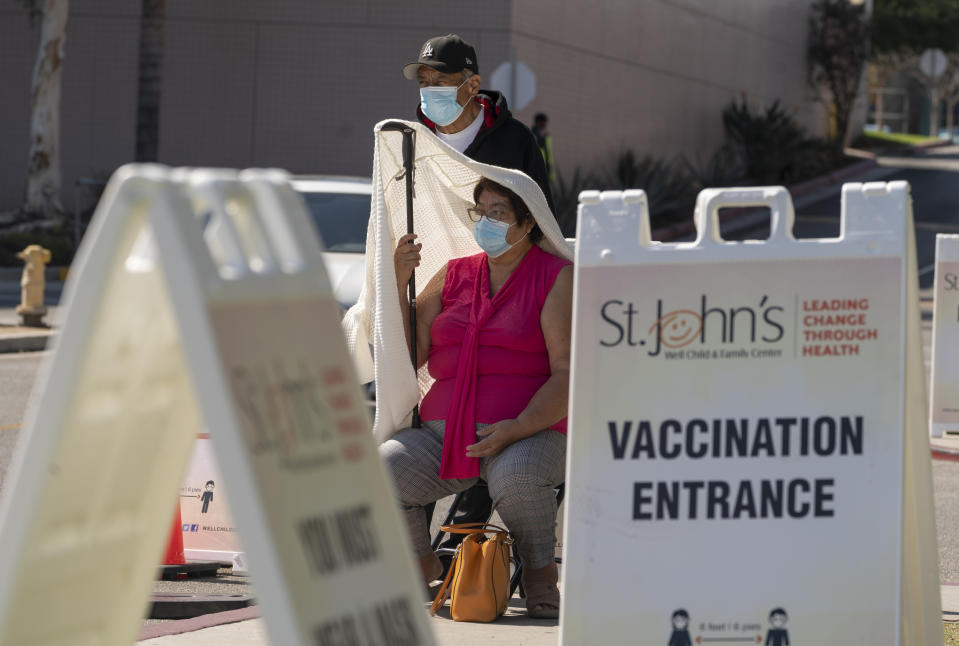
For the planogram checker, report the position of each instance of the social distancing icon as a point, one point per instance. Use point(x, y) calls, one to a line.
point(200, 298)
point(748, 430)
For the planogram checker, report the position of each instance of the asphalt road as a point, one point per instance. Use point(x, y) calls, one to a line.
point(17, 376)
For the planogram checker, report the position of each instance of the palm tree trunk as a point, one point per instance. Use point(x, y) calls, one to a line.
point(43, 166)
point(150, 80)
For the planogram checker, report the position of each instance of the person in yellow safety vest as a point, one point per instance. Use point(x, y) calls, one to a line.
point(545, 142)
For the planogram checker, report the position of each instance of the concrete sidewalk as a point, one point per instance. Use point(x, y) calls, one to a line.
point(945, 447)
point(16, 338)
point(238, 629)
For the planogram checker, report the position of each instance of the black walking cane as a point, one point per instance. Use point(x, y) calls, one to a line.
point(408, 146)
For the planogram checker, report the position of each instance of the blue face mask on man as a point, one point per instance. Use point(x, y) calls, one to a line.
point(490, 235)
point(439, 103)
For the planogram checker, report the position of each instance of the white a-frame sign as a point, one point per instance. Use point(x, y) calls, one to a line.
point(944, 382)
point(748, 457)
point(201, 297)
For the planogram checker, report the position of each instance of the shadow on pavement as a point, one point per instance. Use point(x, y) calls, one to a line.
point(515, 615)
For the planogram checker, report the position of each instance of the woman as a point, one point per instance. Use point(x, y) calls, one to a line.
point(496, 330)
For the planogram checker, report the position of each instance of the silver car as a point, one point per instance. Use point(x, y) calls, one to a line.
point(340, 208)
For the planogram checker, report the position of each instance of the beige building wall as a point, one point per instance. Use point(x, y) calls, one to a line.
point(98, 99)
point(299, 84)
point(655, 75)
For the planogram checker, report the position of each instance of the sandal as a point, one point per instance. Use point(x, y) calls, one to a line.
point(542, 595)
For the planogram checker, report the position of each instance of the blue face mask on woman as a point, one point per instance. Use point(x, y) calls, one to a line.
point(439, 104)
point(490, 235)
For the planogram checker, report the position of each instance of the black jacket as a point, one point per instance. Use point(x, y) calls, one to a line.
point(504, 141)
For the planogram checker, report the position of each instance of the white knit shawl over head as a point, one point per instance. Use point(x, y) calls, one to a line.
point(443, 189)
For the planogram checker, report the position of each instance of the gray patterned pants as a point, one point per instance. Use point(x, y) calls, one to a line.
point(521, 479)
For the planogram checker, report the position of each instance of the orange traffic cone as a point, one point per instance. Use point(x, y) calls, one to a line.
point(174, 550)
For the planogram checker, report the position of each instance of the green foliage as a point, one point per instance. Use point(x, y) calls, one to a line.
point(876, 139)
point(762, 148)
point(668, 186)
point(837, 51)
point(671, 186)
point(915, 25)
point(771, 147)
point(566, 197)
point(723, 168)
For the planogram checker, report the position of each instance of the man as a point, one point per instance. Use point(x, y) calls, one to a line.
point(477, 123)
point(545, 142)
point(474, 121)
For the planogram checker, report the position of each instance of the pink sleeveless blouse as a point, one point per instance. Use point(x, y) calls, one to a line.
point(487, 355)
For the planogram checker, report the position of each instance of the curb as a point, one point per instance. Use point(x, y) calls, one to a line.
point(933, 144)
point(25, 342)
point(181, 626)
point(189, 570)
point(185, 605)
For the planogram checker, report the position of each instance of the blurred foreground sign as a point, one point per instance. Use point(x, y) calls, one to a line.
point(944, 403)
point(200, 298)
point(738, 421)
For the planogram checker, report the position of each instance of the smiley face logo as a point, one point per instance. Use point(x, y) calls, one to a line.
point(678, 328)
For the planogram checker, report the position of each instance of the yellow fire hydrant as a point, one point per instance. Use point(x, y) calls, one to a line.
point(32, 284)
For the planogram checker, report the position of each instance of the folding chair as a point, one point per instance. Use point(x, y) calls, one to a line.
point(446, 554)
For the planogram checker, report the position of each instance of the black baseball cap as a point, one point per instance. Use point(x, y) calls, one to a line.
point(446, 54)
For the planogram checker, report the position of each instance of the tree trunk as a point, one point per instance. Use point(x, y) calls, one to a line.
point(880, 105)
point(149, 83)
point(43, 166)
point(858, 109)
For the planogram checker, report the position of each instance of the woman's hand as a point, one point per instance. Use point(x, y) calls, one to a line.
point(405, 259)
point(495, 438)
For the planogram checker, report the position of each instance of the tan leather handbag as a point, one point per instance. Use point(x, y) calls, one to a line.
point(478, 578)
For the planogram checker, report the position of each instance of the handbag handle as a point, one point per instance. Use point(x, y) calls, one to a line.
point(445, 589)
point(473, 528)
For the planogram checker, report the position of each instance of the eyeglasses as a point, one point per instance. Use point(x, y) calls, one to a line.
point(495, 215)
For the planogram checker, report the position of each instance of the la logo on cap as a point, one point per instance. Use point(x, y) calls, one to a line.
point(428, 50)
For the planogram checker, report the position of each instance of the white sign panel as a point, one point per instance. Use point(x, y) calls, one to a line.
point(944, 406)
point(736, 446)
point(200, 299)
